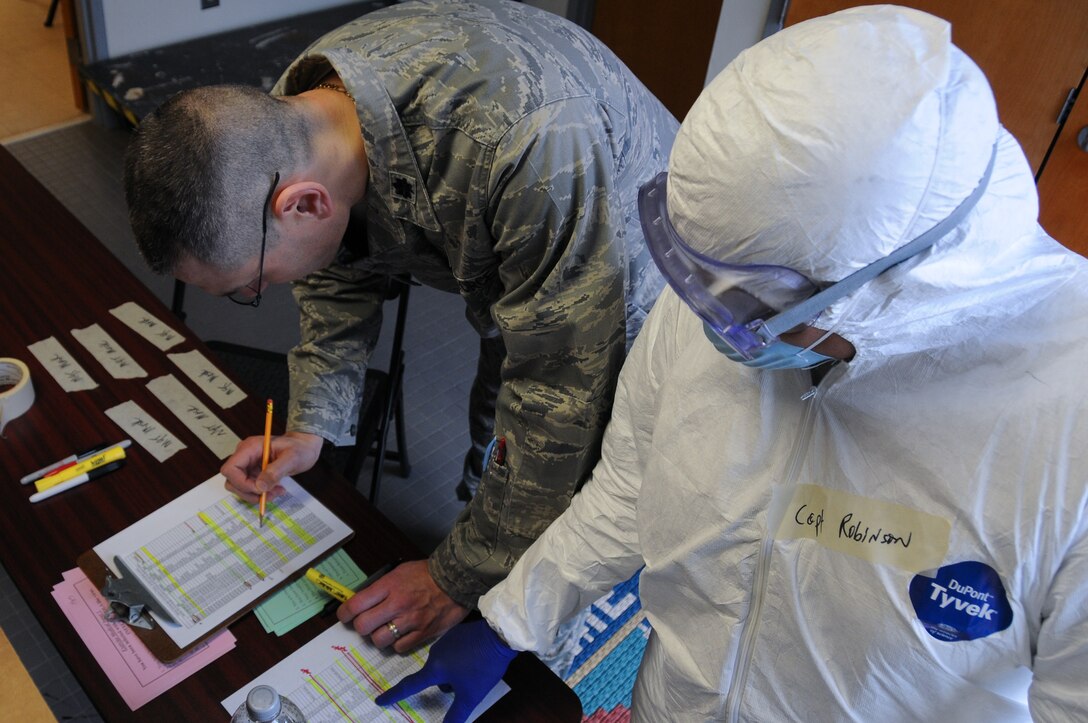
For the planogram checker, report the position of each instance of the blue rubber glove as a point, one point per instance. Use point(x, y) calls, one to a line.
point(470, 659)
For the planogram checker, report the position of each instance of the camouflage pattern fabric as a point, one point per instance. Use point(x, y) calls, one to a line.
point(505, 148)
point(481, 412)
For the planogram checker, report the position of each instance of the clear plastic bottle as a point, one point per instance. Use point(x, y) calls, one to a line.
point(264, 705)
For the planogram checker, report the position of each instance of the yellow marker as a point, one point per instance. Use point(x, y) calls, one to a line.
point(332, 587)
point(99, 460)
point(264, 459)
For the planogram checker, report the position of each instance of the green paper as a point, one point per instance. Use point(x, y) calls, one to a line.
point(301, 600)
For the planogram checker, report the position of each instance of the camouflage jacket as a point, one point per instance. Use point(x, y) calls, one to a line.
point(505, 149)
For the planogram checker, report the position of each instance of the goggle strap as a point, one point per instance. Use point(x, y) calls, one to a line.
point(811, 307)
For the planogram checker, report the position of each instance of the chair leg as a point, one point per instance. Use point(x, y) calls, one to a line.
point(383, 434)
point(379, 462)
point(354, 465)
point(52, 13)
point(177, 305)
point(394, 407)
point(402, 438)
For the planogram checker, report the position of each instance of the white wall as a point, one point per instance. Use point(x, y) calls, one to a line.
point(740, 25)
point(126, 26)
point(559, 7)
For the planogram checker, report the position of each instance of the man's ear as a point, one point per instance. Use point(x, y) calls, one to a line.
point(302, 200)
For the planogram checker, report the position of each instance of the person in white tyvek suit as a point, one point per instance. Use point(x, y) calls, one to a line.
point(900, 533)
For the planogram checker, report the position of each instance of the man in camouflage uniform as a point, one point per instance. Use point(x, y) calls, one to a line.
point(500, 155)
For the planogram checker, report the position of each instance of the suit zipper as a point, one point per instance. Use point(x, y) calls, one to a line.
point(763, 564)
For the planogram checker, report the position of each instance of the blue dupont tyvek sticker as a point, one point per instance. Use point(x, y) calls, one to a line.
point(963, 601)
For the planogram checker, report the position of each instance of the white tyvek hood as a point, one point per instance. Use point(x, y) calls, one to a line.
point(786, 160)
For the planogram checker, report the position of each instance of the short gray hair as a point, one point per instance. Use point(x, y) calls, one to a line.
point(198, 171)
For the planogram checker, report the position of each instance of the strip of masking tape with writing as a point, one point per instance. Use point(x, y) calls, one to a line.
point(870, 529)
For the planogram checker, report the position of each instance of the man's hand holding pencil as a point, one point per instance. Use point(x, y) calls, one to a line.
point(289, 454)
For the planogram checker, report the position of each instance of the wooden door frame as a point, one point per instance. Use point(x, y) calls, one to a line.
point(75, 55)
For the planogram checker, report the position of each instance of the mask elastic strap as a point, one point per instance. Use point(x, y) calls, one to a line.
point(819, 341)
point(811, 307)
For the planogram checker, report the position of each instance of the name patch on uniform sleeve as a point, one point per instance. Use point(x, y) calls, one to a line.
point(963, 601)
point(873, 530)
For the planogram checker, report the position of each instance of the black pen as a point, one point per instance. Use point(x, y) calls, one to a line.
point(76, 481)
point(66, 462)
point(377, 574)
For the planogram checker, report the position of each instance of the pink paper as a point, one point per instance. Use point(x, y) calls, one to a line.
point(134, 671)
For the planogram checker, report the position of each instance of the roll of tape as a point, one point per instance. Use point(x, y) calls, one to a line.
point(14, 401)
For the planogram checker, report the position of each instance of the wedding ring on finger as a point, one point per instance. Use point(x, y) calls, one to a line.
point(393, 629)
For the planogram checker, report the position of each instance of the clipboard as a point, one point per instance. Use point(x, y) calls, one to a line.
point(228, 559)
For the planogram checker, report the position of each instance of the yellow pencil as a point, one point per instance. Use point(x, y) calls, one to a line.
point(264, 457)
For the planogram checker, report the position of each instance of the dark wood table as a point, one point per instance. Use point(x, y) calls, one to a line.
point(55, 277)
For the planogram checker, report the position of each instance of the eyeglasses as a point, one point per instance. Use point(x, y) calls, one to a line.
point(255, 299)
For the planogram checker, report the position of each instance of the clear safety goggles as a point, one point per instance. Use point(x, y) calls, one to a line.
point(734, 300)
point(750, 306)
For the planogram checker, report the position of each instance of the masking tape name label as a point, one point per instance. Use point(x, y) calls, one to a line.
point(149, 327)
point(108, 352)
point(209, 378)
point(61, 365)
point(146, 430)
point(16, 390)
point(200, 420)
point(866, 528)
